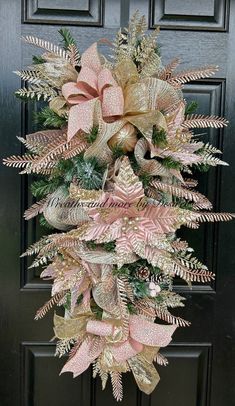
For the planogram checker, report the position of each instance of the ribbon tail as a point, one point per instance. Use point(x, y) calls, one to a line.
point(148, 333)
point(66, 329)
point(145, 374)
point(82, 359)
point(80, 118)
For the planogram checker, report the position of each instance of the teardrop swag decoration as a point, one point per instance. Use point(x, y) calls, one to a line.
point(113, 165)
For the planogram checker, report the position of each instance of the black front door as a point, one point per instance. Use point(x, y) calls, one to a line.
point(201, 368)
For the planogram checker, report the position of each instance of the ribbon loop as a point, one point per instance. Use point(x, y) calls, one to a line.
point(93, 83)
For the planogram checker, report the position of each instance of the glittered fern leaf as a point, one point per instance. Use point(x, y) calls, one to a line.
point(63, 347)
point(78, 147)
point(35, 248)
point(95, 368)
point(74, 55)
point(211, 149)
point(42, 138)
point(19, 161)
point(193, 74)
point(215, 217)
point(161, 359)
point(169, 69)
point(116, 380)
point(104, 378)
point(122, 299)
point(35, 209)
point(49, 304)
point(37, 91)
point(169, 318)
point(48, 46)
point(209, 159)
point(53, 150)
point(200, 121)
point(189, 275)
point(183, 193)
point(32, 76)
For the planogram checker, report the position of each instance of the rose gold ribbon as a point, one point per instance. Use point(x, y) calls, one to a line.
point(93, 82)
point(142, 332)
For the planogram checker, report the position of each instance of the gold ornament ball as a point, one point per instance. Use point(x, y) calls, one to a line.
point(125, 138)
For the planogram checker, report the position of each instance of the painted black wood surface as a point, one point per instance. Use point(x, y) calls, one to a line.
point(202, 361)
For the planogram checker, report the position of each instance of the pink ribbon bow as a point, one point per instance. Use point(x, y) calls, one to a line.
point(93, 83)
point(141, 332)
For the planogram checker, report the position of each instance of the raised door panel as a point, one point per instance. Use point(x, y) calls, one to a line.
point(189, 374)
point(70, 12)
point(188, 369)
point(209, 15)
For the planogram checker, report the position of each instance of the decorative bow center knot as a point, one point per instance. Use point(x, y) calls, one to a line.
point(93, 83)
point(141, 333)
point(111, 331)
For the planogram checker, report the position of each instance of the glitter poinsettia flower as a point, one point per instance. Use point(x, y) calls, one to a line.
point(127, 217)
point(68, 274)
point(94, 82)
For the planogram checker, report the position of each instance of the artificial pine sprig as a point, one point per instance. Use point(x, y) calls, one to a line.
point(67, 38)
point(191, 108)
point(159, 137)
point(171, 163)
point(92, 135)
point(38, 59)
point(88, 172)
point(48, 118)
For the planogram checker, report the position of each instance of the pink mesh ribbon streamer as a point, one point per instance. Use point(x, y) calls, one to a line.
point(142, 332)
point(93, 82)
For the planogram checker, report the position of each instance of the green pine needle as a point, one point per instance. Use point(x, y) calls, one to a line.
point(92, 245)
point(183, 204)
point(25, 98)
point(109, 246)
point(117, 151)
point(145, 178)
point(44, 223)
point(67, 304)
point(38, 59)
point(47, 118)
point(131, 308)
point(88, 173)
point(42, 187)
point(67, 38)
point(191, 107)
point(92, 136)
point(158, 50)
point(134, 164)
point(64, 170)
point(202, 167)
point(170, 163)
point(159, 137)
point(140, 288)
point(96, 310)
